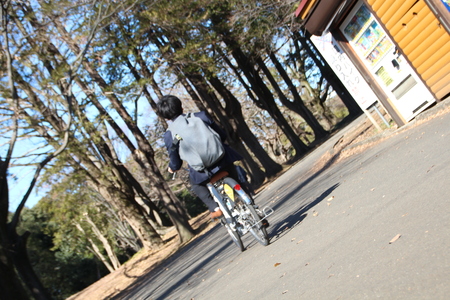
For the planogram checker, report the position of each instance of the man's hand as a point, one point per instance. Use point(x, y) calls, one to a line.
point(172, 172)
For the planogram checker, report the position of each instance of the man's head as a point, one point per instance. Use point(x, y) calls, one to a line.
point(169, 107)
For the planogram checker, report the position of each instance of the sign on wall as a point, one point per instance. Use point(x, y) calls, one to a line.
point(345, 70)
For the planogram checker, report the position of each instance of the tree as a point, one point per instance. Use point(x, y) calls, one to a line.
point(122, 194)
point(144, 154)
point(57, 117)
point(55, 264)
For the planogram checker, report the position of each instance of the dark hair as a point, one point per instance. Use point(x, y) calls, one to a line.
point(169, 107)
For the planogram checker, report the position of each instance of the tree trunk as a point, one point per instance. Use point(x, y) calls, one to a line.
point(233, 108)
point(173, 206)
point(10, 285)
point(266, 99)
point(112, 256)
point(133, 213)
point(297, 105)
point(95, 250)
point(146, 234)
point(353, 107)
point(18, 249)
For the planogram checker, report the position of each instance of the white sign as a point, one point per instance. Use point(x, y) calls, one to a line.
point(345, 70)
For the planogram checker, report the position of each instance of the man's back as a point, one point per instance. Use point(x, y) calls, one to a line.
point(198, 144)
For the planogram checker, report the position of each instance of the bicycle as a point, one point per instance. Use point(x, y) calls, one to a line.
point(240, 215)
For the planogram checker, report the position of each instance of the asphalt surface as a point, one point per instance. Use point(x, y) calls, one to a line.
point(373, 226)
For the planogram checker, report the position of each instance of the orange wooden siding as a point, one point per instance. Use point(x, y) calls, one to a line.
point(423, 40)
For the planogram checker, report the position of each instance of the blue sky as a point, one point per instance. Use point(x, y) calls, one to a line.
point(20, 177)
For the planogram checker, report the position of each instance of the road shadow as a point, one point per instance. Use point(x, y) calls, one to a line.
point(170, 275)
point(283, 227)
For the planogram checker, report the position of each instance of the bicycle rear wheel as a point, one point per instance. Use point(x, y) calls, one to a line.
point(235, 237)
point(257, 229)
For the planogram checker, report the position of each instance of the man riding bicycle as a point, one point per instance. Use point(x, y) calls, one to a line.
point(170, 108)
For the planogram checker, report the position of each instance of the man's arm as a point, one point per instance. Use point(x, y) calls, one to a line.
point(175, 161)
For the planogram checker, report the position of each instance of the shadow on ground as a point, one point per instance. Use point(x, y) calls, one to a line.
point(280, 229)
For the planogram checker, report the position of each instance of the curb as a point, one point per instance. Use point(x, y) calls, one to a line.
point(440, 106)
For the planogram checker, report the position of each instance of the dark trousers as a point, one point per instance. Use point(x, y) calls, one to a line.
point(203, 193)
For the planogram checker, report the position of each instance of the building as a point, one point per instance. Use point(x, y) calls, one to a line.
point(401, 48)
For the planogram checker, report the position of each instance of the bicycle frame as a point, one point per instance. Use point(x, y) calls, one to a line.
point(216, 188)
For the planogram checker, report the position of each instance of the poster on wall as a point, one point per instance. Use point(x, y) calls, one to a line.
point(359, 20)
point(367, 36)
point(345, 70)
point(379, 51)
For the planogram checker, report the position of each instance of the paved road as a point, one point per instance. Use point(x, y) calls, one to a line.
point(333, 231)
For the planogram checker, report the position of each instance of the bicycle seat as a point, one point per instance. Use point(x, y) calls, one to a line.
point(219, 175)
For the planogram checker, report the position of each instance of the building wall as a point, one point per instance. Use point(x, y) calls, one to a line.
point(422, 39)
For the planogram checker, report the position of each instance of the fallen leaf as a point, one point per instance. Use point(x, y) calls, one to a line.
point(430, 168)
point(372, 189)
point(277, 264)
point(331, 198)
point(299, 241)
point(315, 213)
point(293, 239)
point(218, 270)
point(284, 292)
point(395, 238)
